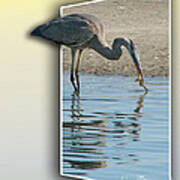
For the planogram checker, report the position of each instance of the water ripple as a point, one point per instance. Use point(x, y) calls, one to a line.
point(107, 129)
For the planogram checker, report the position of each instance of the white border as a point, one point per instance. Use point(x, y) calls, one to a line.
point(61, 90)
point(169, 98)
point(77, 4)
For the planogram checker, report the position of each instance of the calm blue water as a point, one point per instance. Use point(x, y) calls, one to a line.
point(115, 131)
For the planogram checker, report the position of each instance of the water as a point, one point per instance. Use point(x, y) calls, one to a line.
point(114, 130)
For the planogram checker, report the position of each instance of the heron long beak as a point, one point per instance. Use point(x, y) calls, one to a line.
point(140, 75)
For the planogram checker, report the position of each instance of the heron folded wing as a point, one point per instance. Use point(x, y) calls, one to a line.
point(69, 31)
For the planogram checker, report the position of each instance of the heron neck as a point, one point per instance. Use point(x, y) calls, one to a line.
point(112, 53)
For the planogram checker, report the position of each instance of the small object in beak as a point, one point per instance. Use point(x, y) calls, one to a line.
point(141, 83)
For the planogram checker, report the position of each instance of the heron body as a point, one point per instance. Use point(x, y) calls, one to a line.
point(81, 31)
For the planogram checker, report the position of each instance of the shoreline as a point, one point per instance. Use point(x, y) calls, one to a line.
point(138, 20)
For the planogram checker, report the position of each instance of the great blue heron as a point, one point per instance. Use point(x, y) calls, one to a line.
point(80, 31)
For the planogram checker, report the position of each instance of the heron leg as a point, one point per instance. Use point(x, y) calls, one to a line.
point(78, 69)
point(72, 69)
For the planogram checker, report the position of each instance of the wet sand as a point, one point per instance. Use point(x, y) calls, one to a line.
point(144, 21)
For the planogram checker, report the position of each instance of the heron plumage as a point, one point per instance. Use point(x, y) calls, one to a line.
point(80, 31)
point(73, 30)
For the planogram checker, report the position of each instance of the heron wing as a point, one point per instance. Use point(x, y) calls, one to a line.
point(71, 30)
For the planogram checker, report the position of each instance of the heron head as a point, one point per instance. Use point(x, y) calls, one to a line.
point(133, 51)
point(135, 56)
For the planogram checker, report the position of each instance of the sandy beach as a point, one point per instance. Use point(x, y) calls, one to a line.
point(144, 21)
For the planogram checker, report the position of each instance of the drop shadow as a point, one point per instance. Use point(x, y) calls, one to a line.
point(53, 82)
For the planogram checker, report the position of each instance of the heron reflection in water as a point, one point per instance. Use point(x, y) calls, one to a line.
point(89, 134)
point(80, 141)
point(81, 31)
